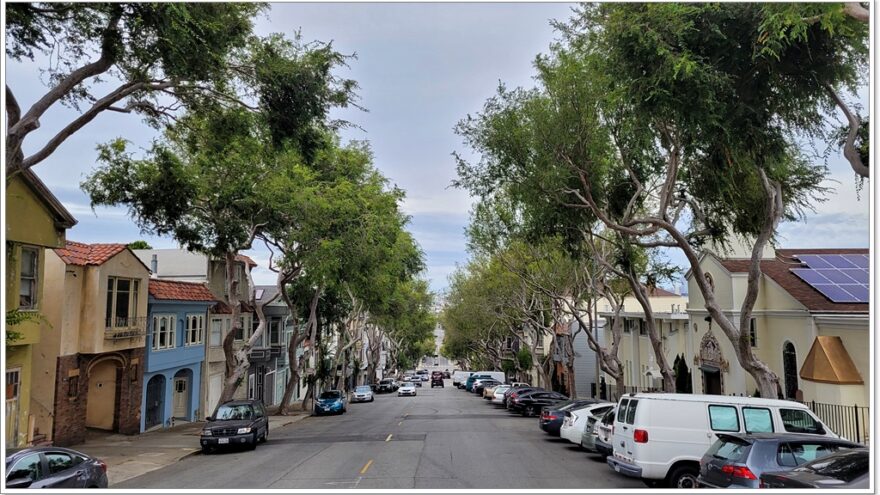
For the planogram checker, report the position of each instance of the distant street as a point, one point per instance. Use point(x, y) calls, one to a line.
point(443, 438)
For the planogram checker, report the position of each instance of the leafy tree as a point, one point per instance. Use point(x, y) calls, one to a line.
point(139, 244)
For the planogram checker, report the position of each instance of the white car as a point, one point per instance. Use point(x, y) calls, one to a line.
point(576, 420)
point(498, 394)
point(362, 393)
point(661, 438)
point(406, 389)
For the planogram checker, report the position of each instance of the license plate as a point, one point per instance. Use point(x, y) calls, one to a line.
point(222, 440)
point(617, 468)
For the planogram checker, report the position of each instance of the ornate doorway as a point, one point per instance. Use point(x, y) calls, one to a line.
point(712, 365)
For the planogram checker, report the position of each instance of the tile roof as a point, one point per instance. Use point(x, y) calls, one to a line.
point(245, 259)
point(660, 292)
point(180, 291)
point(77, 253)
point(778, 270)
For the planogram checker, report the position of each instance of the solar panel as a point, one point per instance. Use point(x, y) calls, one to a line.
point(842, 278)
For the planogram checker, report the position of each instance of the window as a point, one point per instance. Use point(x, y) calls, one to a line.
point(13, 383)
point(27, 288)
point(723, 418)
point(275, 331)
point(73, 386)
point(26, 467)
point(673, 328)
point(631, 411)
point(216, 332)
point(122, 301)
point(58, 461)
point(753, 332)
point(627, 326)
point(757, 420)
point(195, 329)
point(795, 454)
point(789, 369)
point(163, 331)
point(643, 328)
point(800, 421)
point(730, 449)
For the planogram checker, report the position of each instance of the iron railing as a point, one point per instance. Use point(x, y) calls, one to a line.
point(117, 328)
point(850, 422)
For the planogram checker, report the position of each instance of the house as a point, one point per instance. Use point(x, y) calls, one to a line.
point(640, 370)
point(90, 360)
point(175, 352)
point(269, 367)
point(187, 266)
point(810, 324)
point(35, 221)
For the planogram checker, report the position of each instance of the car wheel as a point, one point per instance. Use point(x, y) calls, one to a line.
point(372, 399)
point(253, 443)
point(265, 435)
point(684, 477)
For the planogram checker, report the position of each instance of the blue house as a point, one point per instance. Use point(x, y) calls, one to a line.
point(177, 319)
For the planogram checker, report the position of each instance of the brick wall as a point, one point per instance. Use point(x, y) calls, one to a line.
point(69, 426)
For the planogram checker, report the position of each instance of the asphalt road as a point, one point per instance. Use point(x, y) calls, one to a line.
point(443, 438)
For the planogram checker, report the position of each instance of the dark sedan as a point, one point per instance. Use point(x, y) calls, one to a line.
point(529, 404)
point(514, 392)
point(481, 385)
point(737, 460)
point(236, 423)
point(53, 467)
point(553, 416)
point(848, 469)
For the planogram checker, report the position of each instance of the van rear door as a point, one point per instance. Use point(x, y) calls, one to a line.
point(623, 429)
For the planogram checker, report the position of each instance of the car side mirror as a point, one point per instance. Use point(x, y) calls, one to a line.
point(20, 482)
point(209, 418)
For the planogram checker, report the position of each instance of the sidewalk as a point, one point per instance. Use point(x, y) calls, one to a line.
point(129, 456)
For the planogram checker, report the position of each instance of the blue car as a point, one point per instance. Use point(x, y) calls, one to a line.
point(330, 402)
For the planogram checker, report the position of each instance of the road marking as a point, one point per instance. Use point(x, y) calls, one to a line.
point(400, 423)
point(389, 438)
point(366, 466)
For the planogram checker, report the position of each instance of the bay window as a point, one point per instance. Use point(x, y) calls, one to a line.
point(163, 331)
point(122, 301)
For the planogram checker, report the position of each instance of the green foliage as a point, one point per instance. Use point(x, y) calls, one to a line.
point(683, 384)
point(139, 244)
point(524, 359)
point(14, 317)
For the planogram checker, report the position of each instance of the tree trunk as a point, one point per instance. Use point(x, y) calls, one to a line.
point(311, 354)
point(641, 293)
point(234, 368)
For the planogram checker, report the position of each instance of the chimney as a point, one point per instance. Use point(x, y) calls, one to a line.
point(154, 265)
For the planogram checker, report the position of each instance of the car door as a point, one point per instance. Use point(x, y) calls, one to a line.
point(262, 418)
point(64, 470)
point(30, 466)
point(623, 438)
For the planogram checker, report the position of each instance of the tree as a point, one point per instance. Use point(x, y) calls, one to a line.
point(660, 121)
point(139, 244)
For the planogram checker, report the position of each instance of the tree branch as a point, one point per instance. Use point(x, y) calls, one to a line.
point(856, 11)
point(849, 149)
point(13, 111)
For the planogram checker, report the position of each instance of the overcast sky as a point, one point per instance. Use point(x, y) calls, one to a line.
point(421, 68)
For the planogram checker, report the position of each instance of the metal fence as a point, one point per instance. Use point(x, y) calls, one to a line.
point(851, 422)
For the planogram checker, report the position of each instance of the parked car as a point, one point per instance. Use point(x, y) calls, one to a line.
point(603, 433)
point(424, 378)
point(489, 392)
point(497, 375)
point(498, 394)
point(590, 437)
point(552, 417)
point(575, 421)
point(513, 392)
point(480, 385)
point(53, 467)
point(661, 438)
point(331, 401)
point(520, 384)
point(530, 404)
point(446, 374)
point(739, 460)
point(237, 422)
point(406, 389)
point(459, 377)
point(387, 385)
point(437, 381)
point(362, 393)
point(847, 469)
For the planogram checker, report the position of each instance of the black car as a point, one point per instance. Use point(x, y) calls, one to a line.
point(553, 416)
point(514, 392)
point(437, 381)
point(236, 423)
point(478, 388)
point(53, 467)
point(387, 385)
point(737, 460)
point(848, 469)
point(529, 404)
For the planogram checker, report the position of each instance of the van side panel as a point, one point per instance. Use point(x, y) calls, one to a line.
point(677, 430)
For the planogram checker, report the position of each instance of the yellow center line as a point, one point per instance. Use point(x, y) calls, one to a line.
point(389, 437)
point(366, 466)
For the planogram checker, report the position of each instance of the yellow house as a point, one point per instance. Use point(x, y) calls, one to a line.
point(35, 220)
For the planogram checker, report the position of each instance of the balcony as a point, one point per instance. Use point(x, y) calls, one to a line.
point(119, 328)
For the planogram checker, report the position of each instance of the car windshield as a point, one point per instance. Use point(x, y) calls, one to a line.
point(333, 394)
point(846, 466)
point(362, 388)
point(234, 412)
point(387, 380)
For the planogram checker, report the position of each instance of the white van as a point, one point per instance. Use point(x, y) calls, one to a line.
point(497, 375)
point(661, 438)
point(459, 377)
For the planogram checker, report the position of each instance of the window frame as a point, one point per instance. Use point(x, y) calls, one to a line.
point(211, 333)
point(49, 471)
point(756, 408)
point(16, 391)
point(275, 322)
point(113, 298)
point(42, 469)
point(33, 280)
point(198, 332)
point(816, 421)
point(753, 332)
point(155, 331)
point(735, 414)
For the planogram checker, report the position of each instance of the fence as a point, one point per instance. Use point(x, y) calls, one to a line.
point(850, 422)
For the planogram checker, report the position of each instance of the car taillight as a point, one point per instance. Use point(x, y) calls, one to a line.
point(103, 465)
point(640, 436)
point(738, 472)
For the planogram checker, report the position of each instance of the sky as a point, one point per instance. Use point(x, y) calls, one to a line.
point(421, 68)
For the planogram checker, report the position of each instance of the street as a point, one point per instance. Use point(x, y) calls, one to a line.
point(443, 438)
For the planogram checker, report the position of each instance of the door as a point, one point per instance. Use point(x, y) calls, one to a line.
point(215, 387)
point(623, 436)
point(712, 382)
point(789, 365)
point(155, 401)
point(13, 386)
point(101, 401)
point(180, 403)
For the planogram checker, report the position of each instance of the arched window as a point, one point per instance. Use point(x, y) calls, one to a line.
point(789, 367)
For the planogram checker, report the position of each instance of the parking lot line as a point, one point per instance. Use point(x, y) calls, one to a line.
point(366, 466)
point(389, 437)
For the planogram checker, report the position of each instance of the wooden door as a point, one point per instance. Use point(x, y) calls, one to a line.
point(181, 398)
point(101, 402)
